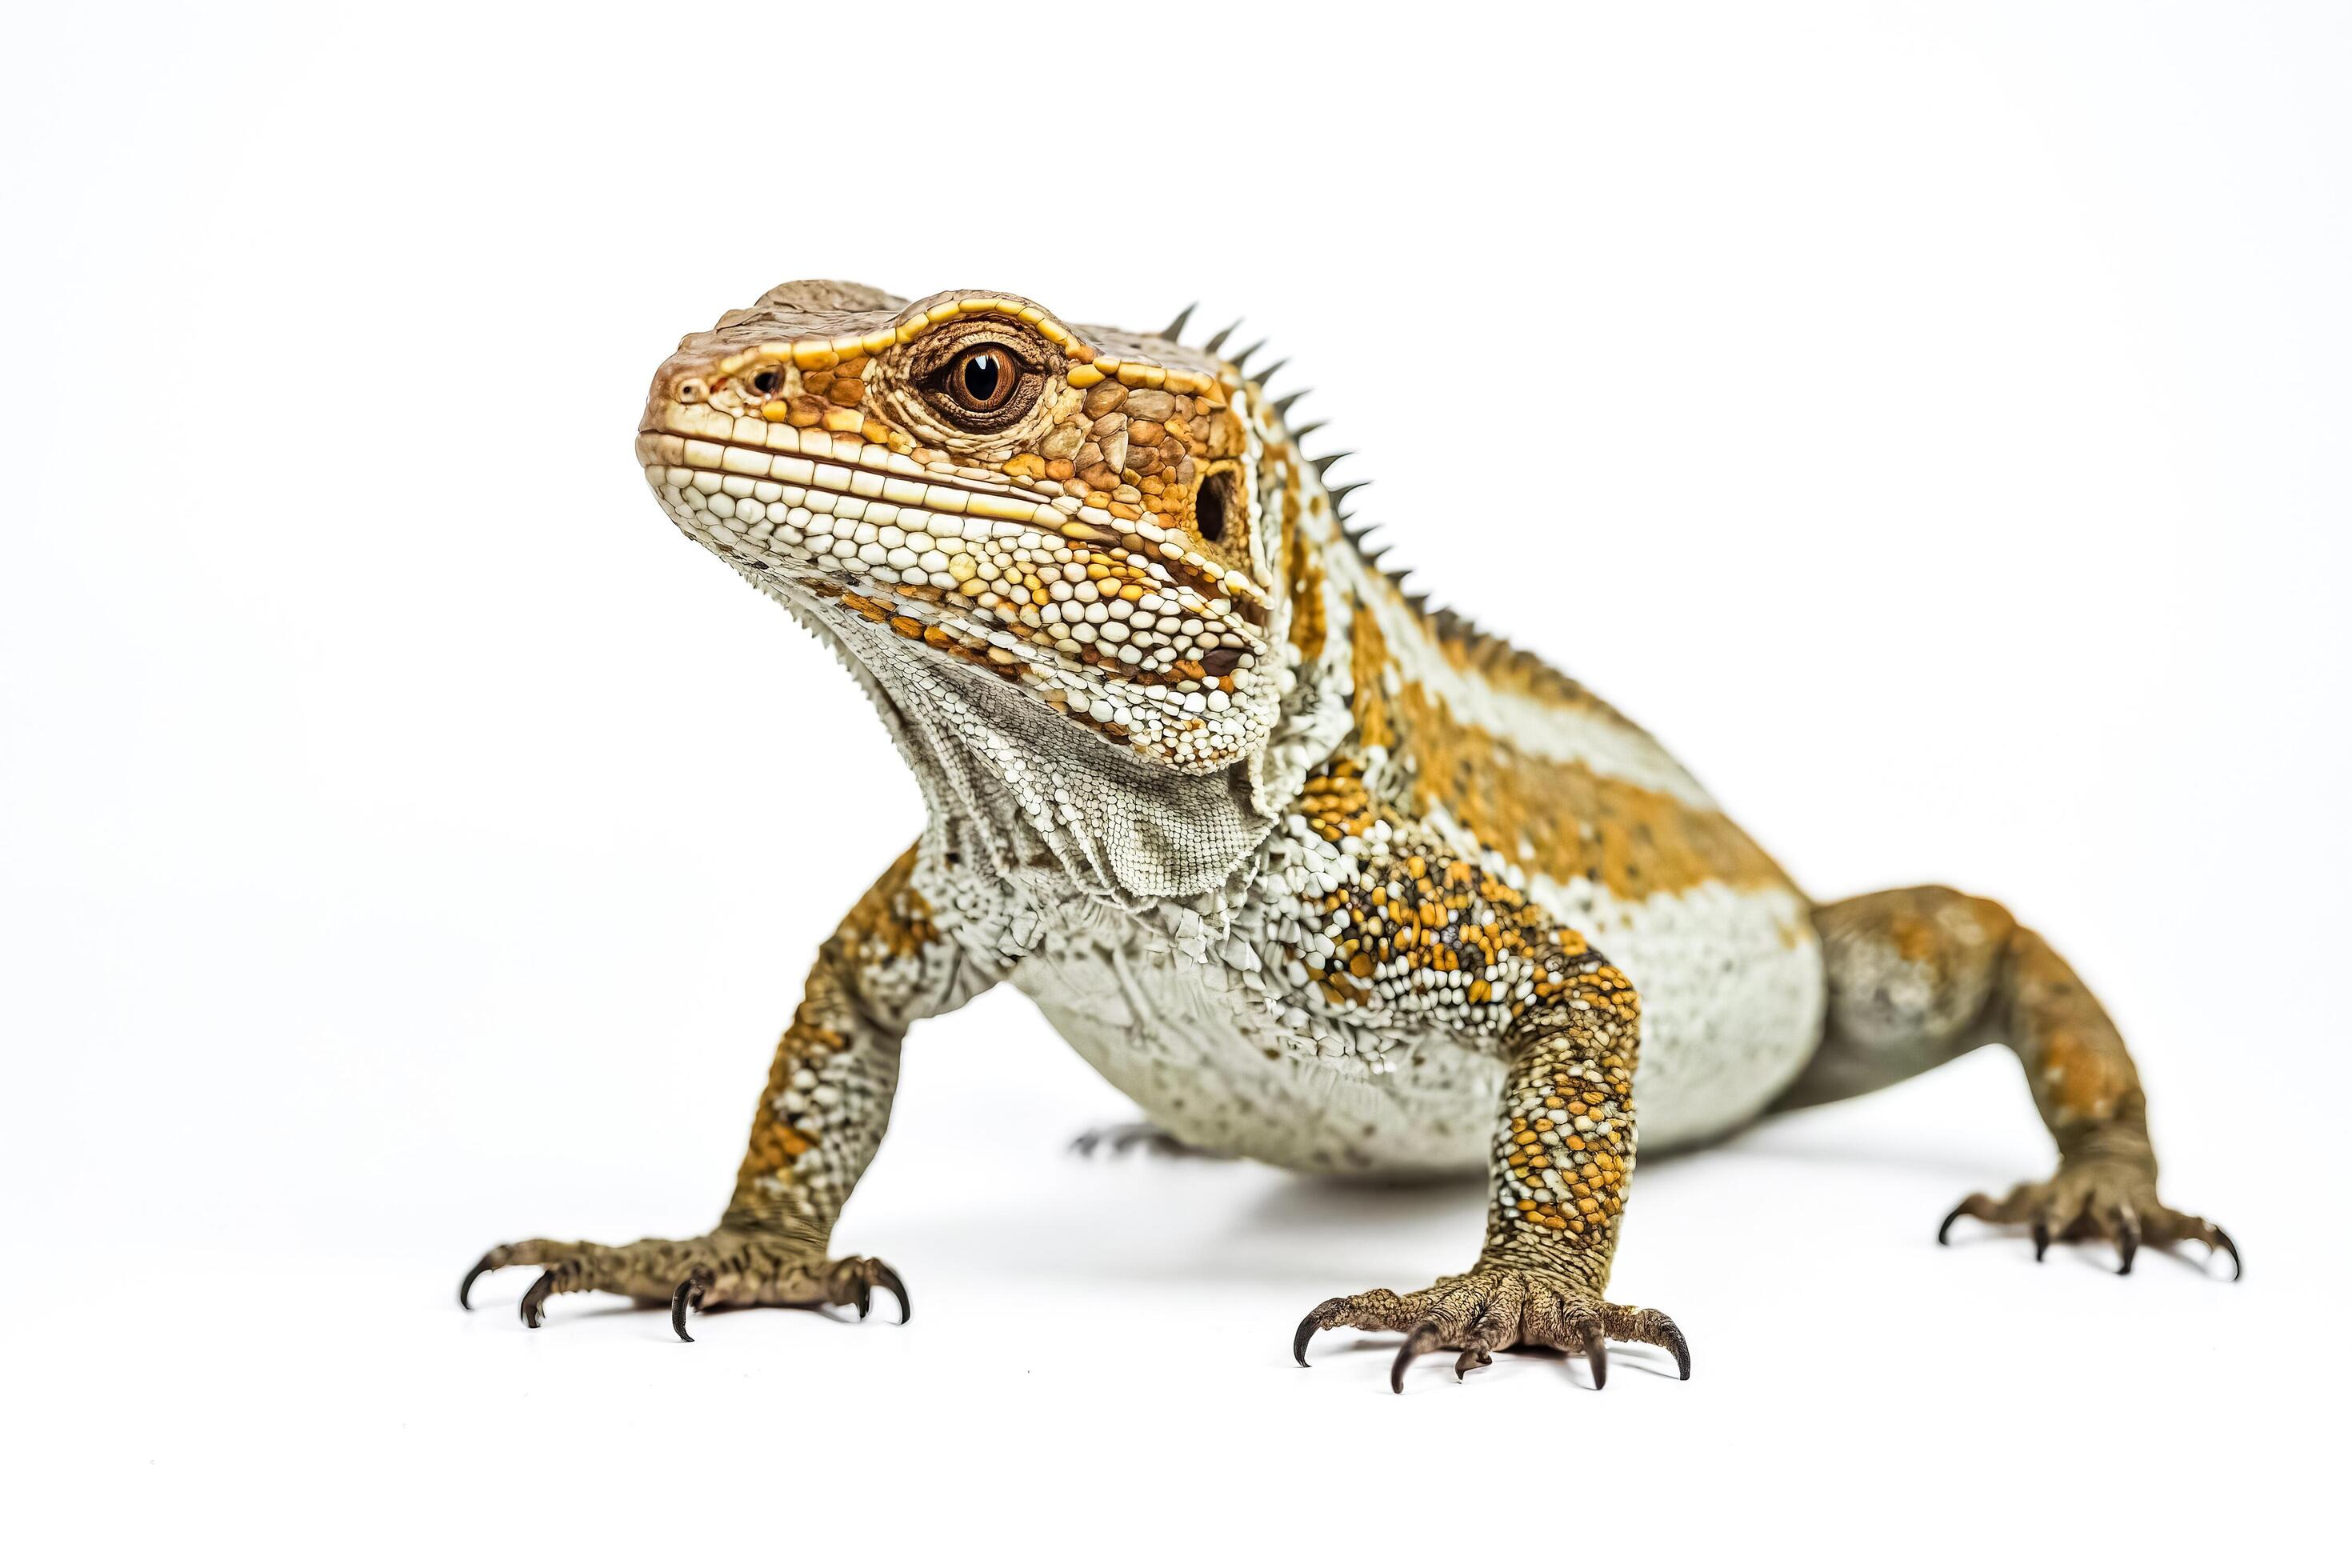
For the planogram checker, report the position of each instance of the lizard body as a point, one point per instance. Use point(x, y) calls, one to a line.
point(1315, 876)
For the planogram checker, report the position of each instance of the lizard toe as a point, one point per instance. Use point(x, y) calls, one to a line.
point(1494, 1309)
point(2107, 1200)
point(726, 1267)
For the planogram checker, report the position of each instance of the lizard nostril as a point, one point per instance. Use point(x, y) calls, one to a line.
point(691, 389)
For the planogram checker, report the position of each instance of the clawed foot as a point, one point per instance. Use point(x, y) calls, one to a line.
point(1495, 1308)
point(2111, 1198)
point(1121, 1136)
point(725, 1269)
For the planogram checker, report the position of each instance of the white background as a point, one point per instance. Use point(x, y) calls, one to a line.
point(1952, 401)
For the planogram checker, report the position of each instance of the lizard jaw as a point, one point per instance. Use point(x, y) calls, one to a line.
point(1112, 627)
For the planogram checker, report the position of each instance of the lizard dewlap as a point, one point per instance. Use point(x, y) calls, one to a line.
point(1316, 876)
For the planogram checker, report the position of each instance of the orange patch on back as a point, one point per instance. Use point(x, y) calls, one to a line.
point(1368, 659)
point(1563, 818)
point(1304, 571)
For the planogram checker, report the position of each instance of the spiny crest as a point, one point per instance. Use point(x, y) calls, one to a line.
point(1483, 649)
point(1214, 345)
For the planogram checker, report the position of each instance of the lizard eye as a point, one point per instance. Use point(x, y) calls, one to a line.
point(768, 382)
point(981, 378)
point(984, 386)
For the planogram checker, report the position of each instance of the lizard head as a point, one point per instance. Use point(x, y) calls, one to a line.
point(1071, 513)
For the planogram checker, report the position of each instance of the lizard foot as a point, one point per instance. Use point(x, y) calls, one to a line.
point(725, 1269)
point(1121, 1136)
point(1495, 1309)
point(2113, 1198)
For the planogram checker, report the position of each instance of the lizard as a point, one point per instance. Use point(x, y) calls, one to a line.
point(1316, 875)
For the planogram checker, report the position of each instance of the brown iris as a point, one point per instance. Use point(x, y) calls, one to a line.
point(981, 378)
point(984, 378)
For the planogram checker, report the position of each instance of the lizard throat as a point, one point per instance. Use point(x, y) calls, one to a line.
point(1006, 783)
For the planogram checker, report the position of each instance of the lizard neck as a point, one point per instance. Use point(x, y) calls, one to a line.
point(1015, 791)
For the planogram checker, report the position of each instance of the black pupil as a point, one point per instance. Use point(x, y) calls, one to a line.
point(764, 383)
point(983, 377)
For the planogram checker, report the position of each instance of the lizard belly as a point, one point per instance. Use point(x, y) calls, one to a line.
point(1731, 987)
point(1732, 996)
point(1195, 1046)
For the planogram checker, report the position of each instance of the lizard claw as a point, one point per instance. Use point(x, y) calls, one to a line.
point(688, 1294)
point(1676, 1346)
point(725, 1269)
point(2220, 1242)
point(2096, 1197)
point(1422, 1339)
point(2126, 1232)
point(1494, 1309)
point(887, 1277)
point(534, 1301)
point(1315, 1322)
point(466, 1286)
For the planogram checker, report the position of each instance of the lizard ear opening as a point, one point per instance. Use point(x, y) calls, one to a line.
point(1212, 505)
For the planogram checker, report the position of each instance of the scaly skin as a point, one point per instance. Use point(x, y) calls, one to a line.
point(1317, 876)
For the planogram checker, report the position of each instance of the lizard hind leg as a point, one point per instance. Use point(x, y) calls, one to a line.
point(1120, 1137)
point(1919, 975)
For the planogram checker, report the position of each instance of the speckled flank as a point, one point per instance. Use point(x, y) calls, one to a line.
point(1605, 830)
point(1317, 876)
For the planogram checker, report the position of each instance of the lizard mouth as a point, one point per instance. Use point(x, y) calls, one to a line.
point(702, 451)
point(1093, 610)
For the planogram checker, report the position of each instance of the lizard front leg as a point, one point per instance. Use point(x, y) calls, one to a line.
point(1425, 938)
point(819, 1121)
point(1563, 1152)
